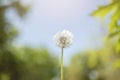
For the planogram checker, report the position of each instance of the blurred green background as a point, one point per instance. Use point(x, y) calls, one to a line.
point(39, 63)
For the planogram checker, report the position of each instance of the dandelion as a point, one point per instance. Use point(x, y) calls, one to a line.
point(63, 39)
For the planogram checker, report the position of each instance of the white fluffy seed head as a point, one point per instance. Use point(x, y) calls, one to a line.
point(63, 39)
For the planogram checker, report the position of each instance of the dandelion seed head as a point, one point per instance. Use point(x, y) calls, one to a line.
point(63, 39)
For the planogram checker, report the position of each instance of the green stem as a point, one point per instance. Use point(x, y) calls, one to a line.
point(62, 65)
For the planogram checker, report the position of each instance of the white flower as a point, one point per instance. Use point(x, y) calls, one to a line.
point(63, 39)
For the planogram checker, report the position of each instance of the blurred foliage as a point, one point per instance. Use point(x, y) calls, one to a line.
point(114, 25)
point(36, 64)
point(27, 63)
point(101, 64)
point(7, 29)
point(21, 63)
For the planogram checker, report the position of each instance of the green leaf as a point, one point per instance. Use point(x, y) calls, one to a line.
point(114, 34)
point(104, 10)
point(114, 18)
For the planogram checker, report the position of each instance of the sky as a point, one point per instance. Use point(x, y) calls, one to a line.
point(46, 17)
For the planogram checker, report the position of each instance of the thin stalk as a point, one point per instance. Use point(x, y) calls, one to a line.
point(62, 66)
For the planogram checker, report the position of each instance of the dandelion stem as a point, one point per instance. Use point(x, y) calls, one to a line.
point(62, 65)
